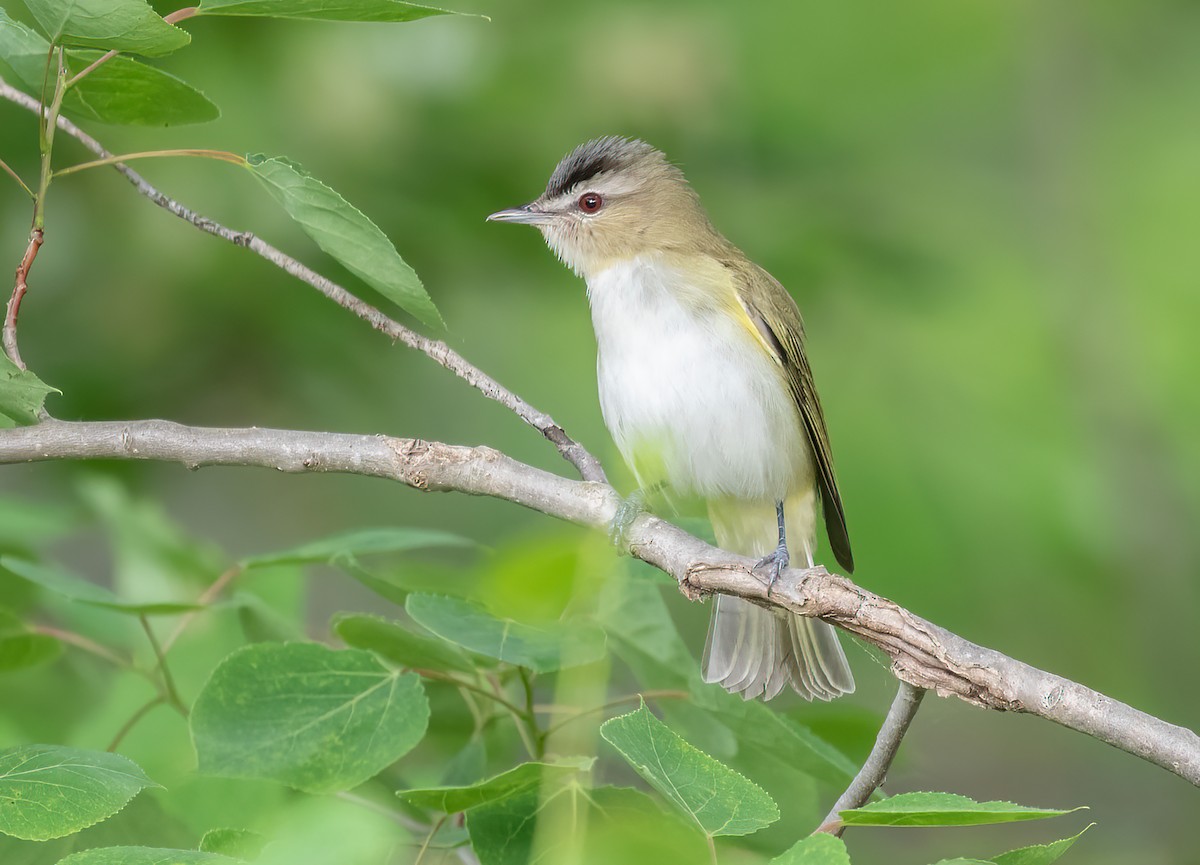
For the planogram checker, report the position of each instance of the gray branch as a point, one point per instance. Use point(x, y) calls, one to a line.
point(923, 654)
point(588, 466)
point(879, 761)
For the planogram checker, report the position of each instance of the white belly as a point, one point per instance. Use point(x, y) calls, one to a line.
point(691, 395)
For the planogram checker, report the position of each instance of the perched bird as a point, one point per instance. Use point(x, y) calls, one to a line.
point(706, 390)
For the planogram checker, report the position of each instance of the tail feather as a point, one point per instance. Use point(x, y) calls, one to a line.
point(754, 651)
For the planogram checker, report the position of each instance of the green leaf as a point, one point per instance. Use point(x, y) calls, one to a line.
point(111, 25)
point(307, 716)
point(522, 779)
point(720, 800)
point(357, 543)
point(399, 645)
point(122, 91)
point(47, 791)
point(1039, 854)
point(502, 831)
point(146, 856)
point(599, 826)
point(24, 51)
point(85, 592)
point(20, 647)
point(344, 233)
point(542, 649)
point(239, 843)
point(21, 392)
point(819, 849)
point(942, 809)
point(324, 10)
point(128, 93)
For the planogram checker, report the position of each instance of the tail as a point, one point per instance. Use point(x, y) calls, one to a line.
point(756, 651)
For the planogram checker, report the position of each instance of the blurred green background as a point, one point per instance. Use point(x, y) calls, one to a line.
point(988, 213)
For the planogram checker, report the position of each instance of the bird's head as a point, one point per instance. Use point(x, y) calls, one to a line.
point(611, 200)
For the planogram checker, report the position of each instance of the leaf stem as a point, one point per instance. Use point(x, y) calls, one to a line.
point(172, 695)
point(429, 837)
point(222, 155)
point(530, 716)
point(50, 122)
point(88, 645)
point(617, 701)
point(17, 178)
point(133, 720)
point(207, 597)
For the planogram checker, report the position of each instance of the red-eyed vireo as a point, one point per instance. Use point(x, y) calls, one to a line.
point(705, 388)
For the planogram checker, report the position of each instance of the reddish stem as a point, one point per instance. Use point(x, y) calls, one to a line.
point(14, 302)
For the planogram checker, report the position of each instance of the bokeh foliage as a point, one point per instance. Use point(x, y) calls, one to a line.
point(986, 212)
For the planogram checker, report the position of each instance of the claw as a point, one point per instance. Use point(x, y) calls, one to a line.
point(778, 559)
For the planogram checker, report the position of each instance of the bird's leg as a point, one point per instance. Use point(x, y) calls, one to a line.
point(778, 559)
point(627, 512)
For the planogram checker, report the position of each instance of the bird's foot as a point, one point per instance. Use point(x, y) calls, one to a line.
point(627, 511)
point(777, 560)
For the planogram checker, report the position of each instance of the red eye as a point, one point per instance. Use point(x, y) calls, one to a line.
point(590, 202)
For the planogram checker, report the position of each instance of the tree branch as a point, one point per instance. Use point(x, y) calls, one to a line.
point(879, 761)
point(588, 466)
point(923, 654)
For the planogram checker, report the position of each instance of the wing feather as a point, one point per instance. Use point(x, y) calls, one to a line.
point(777, 318)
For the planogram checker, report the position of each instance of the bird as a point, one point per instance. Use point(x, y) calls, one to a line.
point(707, 392)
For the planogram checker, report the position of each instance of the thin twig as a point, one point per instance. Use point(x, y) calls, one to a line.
point(89, 646)
point(618, 701)
point(433, 830)
point(8, 170)
point(207, 597)
point(870, 776)
point(133, 720)
point(588, 466)
point(172, 695)
point(20, 286)
point(923, 654)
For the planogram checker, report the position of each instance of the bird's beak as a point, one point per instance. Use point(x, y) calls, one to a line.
point(528, 214)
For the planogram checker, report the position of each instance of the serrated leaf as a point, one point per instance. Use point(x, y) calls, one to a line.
point(324, 10)
point(522, 779)
point(304, 715)
point(48, 791)
point(1039, 854)
point(541, 649)
point(359, 542)
point(819, 849)
point(110, 25)
point(345, 233)
point(82, 591)
point(128, 93)
point(720, 800)
point(21, 392)
point(238, 843)
point(399, 645)
point(942, 809)
point(146, 856)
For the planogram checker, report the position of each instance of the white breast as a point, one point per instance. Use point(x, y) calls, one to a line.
point(691, 394)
